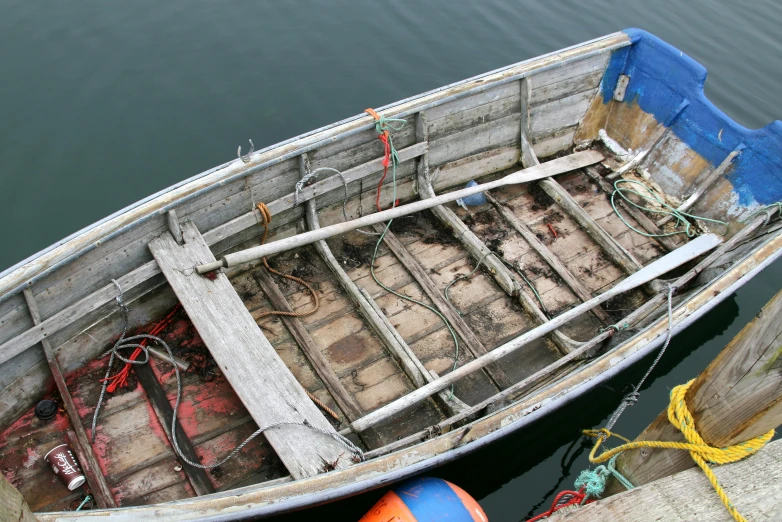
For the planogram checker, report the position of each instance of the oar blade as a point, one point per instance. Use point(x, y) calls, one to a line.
point(668, 262)
point(577, 160)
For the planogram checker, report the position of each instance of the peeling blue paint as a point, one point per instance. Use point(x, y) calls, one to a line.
point(661, 79)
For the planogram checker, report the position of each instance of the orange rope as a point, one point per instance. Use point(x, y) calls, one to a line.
point(267, 219)
point(325, 408)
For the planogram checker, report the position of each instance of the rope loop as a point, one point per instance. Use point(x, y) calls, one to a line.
point(701, 452)
point(390, 156)
point(651, 196)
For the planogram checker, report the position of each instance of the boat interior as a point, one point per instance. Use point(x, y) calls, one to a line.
point(360, 320)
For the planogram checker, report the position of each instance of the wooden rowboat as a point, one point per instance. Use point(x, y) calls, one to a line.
point(548, 289)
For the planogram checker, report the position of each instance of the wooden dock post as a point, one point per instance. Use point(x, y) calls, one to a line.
point(738, 397)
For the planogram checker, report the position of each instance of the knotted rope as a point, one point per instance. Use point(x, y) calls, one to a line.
point(650, 195)
point(391, 158)
point(390, 155)
point(267, 219)
point(122, 343)
point(700, 451)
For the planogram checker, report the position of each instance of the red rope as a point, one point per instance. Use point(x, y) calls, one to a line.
point(576, 498)
point(383, 137)
point(120, 379)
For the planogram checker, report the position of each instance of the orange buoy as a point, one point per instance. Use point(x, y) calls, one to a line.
point(426, 499)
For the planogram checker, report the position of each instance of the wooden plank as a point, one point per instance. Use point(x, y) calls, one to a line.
point(667, 242)
point(410, 364)
point(12, 505)
point(561, 113)
point(610, 246)
point(309, 347)
point(479, 250)
point(261, 380)
point(548, 256)
point(735, 399)
point(424, 280)
point(159, 401)
point(92, 471)
point(751, 484)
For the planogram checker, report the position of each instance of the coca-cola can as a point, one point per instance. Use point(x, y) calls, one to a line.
point(65, 466)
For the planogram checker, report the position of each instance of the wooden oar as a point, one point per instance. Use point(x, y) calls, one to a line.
point(690, 251)
point(543, 170)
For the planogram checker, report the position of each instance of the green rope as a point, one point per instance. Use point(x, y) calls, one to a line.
point(650, 195)
point(768, 209)
point(594, 481)
point(86, 499)
point(529, 284)
point(380, 127)
point(618, 327)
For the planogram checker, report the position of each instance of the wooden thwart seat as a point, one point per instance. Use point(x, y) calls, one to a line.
point(260, 378)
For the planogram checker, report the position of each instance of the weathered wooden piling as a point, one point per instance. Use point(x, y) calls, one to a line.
point(738, 397)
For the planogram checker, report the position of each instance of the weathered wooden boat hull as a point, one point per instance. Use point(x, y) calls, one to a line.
point(478, 127)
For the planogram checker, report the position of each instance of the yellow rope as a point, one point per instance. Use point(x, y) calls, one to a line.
point(702, 453)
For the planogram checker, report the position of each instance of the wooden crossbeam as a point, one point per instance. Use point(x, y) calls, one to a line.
point(92, 472)
point(501, 274)
point(424, 280)
point(549, 257)
point(259, 377)
point(379, 323)
point(159, 401)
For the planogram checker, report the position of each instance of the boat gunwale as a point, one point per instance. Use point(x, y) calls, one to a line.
point(14, 287)
point(527, 410)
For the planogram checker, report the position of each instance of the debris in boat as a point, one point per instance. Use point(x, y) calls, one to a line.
point(178, 467)
point(426, 498)
point(83, 503)
point(65, 466)
point(550, 227)
point(475, 200)
point(612, 145)
point(46, 409)
point(212, 275)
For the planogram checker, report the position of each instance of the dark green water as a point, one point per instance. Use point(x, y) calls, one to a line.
point(103, 103)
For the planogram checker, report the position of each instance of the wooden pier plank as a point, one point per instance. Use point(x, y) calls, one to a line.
point(261, 380)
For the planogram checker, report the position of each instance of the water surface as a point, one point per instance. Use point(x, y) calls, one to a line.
point(104, 103)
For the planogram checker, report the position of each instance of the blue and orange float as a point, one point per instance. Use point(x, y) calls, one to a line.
point(426, 499)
